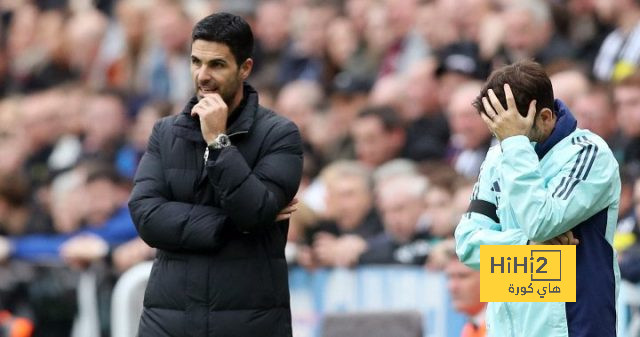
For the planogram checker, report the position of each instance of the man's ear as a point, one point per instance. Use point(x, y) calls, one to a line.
point(545, 115)
point(245, 68)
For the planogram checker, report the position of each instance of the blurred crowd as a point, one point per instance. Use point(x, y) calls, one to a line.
point(380, 89)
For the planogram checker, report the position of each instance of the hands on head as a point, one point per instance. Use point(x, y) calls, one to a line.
point(506, 122)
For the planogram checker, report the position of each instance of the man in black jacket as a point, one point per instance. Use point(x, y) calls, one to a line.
point(212, 194)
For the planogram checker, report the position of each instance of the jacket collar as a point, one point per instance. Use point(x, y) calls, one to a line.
point(188, 127)
point(565, 125)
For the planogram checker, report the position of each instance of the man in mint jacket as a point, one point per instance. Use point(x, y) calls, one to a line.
point(547, 181)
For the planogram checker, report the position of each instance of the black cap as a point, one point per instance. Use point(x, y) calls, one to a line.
point(462, 58)
point(348, 83)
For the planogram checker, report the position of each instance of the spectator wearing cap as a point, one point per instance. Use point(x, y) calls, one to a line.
point(421, 113)
point(458, 63)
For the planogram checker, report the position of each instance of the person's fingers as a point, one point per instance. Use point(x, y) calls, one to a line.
point(215, 99)
point(511, 101)
point(283, 216)
point(488, 109)
point(488, 121)
point(571, 238)
point(293, 202)
point(495, 102)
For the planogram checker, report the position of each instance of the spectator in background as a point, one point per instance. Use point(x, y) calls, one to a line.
point(530, 34)
point(272, 37)
point(595, 111)
point(341, 46)
point(618, 58)
point(463, 284)
point(105, 121)
point(304, 57)
point(108, 219)
point(406, 46)
point(628, 243)
point(422, 115)
point(123, 47)
point(87, 29)
point(569, 84)
point(129, 155)
point(378, 136)
point(330, 133)
point(349, 212)
point(166, 73)
point(470, 139)
point(627, 103)
point(400, 200)
point(17, 215)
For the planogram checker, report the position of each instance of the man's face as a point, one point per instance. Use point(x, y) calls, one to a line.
point(594, 113)
point(348, 200)
point(400, 214)
point(464, 287)
point(522, 40)
point(466, 124)
point(627, 102)
point(373, 144)
point(101, 198)
point(214, 70)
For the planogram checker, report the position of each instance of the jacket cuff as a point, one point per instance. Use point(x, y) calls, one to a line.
point(514, 142)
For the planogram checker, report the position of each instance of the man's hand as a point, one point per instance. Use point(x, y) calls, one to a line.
point(80, 251)
point(508, 122)
point(566, 238)
point(213, 113)
point(286, 212)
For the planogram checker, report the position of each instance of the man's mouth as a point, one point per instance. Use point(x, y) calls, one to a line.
point(208, 90)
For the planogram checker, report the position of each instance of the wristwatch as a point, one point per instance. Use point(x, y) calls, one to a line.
point(220, 142)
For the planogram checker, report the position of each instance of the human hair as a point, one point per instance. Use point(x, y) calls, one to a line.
point(347, 168)
point(228, 29)
point(539, 10)
point(102, 171)
point(528, 81)
point(386, 114)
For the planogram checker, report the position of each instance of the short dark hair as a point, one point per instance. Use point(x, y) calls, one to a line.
point(228, 29)
point(528, 81)
point(386, 114)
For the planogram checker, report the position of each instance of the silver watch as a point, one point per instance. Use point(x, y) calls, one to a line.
point(220, 142)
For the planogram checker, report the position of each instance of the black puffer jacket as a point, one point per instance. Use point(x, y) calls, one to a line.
point(220, 268)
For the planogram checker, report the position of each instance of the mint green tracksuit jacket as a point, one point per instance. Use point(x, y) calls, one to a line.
point(534, 192)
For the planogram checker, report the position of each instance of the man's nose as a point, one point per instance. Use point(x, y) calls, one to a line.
point(204, 74)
